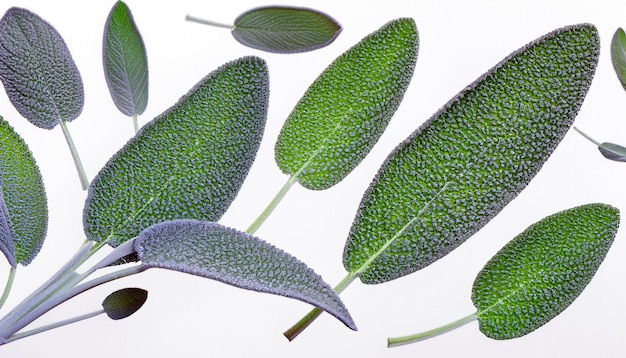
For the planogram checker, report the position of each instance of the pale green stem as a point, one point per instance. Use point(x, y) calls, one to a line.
point(84, 182)
point(399, 341)
point(54, 325)
point(272, 205)
point(208, 22)
point(586, 136)
point(7, 288)
point(135, 123)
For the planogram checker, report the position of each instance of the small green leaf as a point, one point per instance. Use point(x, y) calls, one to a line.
point(123, 303)
point(37, 70)
point(282, 29)
point(539, 273)
point(220, 253)
point(125, 61)
point(618, 55)
point(189, 162)
point(347, 108)
point(23, 203)
point(612, 151)
point(457, 171)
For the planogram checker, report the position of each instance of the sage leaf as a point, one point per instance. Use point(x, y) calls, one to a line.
point(123, 303)
point(213, 251)
point(189, 162)
point(618, 55)
point(460, 168)
point(613, 151)
point(125, 61)
point(347, 108)
point(23, 202)
point(37, 70)
point(281, 29)
point(538, 274)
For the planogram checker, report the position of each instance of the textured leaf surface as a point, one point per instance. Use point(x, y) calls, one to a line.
point(539, 273)
point(125, 61)
point(213, 251)
point(37, 70)
point(282, 29)
point(459, 169)
point(123, 303)
point(347, 108)
point(23, 203)
point(618, 55)
point(189, 162)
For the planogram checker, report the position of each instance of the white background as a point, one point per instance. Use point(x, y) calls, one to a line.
point(189, 316)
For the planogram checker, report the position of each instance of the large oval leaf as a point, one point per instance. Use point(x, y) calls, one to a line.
point(618, 55)
point(23, 203)
point(189, 162)
point(125, 61)
point(347, 108)
point(37, 70)
point(281, 29)
point(220, 253)
point(458, 170)
point(541, 272)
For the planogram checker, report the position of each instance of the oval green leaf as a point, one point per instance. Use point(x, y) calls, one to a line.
point(123, 303)
point(543, 270)
point(125, 61)
point(189, 162)
point(613, 151)
point(23, 202)
point(281, 29)
point(220, 253)
point(37, 70)
point(618, 55)
point(347, 108)
point(459, 169)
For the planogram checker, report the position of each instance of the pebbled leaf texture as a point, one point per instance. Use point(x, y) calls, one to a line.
point(543, 270)
point(125, 302)
point(23, 202)
point(347, 108)
point(224, 254)
point(618, 55)
point(125, 61)
point(281, 29)
point(37, 70)
point(461, 167)
point(189, 162)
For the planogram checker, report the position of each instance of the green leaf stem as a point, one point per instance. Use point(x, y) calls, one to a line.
point(537, 275)
point(189, 162)
point(344, 112)
point(609, 150)
point(220, 253)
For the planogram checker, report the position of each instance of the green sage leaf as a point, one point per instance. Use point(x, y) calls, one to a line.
point(210, 250)
point(618, 55)
point(125, 61)
point(459, 169)
point(189, 162)
point(123, 303)
point(37, 70)
point(281, 29)
point(347, 108)
point(543, 270)
point(23, 202)
point(613, 151)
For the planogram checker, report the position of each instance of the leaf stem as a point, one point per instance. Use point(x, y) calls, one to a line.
point(208, 22)
point(8, 286)
point(84, 182)
point(399, 341)
point(135, 123)
point(272, 205)
point(586, 136)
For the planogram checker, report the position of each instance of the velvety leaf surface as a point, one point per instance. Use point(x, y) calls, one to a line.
point(125, 61)
point(281, 29)
point(539, 273)
point(189, 162)
point(459, 169)
point(123, 303)
point(347, 108)
point(23, 203)
point(224, 254)
point(37, 70)
point(618, 55)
